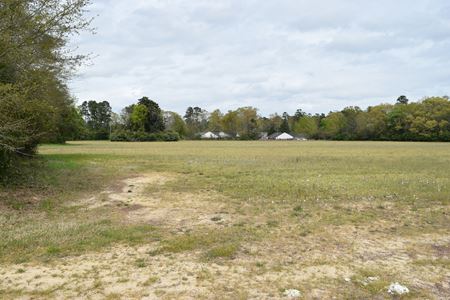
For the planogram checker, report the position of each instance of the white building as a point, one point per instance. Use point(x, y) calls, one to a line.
point(284, 136)
point(281, 136)
point(209, 136)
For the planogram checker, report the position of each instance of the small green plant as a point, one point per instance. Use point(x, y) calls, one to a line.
point(151, 280)
point(140, 263)
point(272, 223)
point(225, 251)
point(298, 208)
point(53, 250)
point(47, 205)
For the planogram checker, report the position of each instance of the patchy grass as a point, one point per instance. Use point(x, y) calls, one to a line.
point(43, 238)
point(223, 251)
point(151, 280)
point(440, 262)
point(304, 214)
point(214, 243)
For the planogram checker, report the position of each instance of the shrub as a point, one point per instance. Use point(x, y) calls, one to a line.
point(141, 136)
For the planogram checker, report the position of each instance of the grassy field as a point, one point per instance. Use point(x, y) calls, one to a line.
point(228, 220)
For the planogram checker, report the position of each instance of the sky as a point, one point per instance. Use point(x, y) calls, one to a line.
point(276, 55)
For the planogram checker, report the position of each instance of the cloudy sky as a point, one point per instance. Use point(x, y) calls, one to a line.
point(277, 55)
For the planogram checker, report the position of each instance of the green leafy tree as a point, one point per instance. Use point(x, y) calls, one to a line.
point(402, 100)
point(284, 127)
point(350, 129)
point(34, 66)
point(155, 120)
point(306, 125)
point(196, 120)
point(97, 116)
point(174, 122)
point(215, 121)
point(299, 114)
point(139, 117)
point(332, 125)
point(230, 122)
point(247, 122)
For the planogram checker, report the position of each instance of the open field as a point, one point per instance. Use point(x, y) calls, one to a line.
point(228, 220)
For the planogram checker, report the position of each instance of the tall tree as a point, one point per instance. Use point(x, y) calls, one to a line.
point(285, 123)
point(196, 120)
point(402, 100)
point(97, 116)
point(332, 125)
point(299, 113)
point(139, 117)
point(350, 129)
point(215, 121)
point(306, 125)
point(247, 122)
point(230, 122)
point(155, 120)
point(174, 122)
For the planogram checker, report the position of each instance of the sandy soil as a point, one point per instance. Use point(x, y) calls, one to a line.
point(321, 267)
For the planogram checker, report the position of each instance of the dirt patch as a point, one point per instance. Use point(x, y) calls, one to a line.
point(141, 200)
point(134, 274)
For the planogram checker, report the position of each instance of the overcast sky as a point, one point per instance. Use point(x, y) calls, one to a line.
point(276, 55)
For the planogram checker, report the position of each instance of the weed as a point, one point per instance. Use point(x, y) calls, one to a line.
point(224, 251)
point(140, 263)
point(151, 280)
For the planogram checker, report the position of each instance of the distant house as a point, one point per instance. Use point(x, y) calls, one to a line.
point(214, 135)
point(209, 136)
point(223, 135)
point(281, 136)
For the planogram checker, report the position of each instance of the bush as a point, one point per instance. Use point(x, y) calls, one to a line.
point(140, 136)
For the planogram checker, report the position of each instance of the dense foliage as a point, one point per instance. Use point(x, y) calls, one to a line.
point(35, 104)
point(425, 120)
point(143, 121)
point(142, 136)
point(97, 119)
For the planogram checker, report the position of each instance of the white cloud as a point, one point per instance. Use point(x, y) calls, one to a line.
point(274, 55)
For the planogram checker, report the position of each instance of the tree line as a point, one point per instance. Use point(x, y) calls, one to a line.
point(425, 120)
point(35, 63)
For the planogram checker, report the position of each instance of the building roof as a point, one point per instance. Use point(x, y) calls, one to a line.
point(284, 136)
point(209, 135)
point(280, 135)
point(273, 135)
